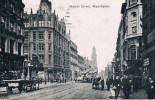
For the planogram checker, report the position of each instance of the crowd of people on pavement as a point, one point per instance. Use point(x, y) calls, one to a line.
point(127, 85)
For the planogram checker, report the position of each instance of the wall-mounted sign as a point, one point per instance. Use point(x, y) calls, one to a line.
point(146, 62)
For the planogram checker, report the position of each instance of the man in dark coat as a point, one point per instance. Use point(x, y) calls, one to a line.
point(150, 88)
point(126, 87)
point(117, 86)
point(102, 84)
point(108, 83)
point(135, 83)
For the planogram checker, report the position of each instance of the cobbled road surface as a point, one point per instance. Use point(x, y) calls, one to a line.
point(61, 91)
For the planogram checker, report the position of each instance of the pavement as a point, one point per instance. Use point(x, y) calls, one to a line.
point(141, 94)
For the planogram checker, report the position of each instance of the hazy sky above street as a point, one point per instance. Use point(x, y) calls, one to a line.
point(89, 26)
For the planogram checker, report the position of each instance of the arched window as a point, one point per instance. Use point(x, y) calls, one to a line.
point(133, 52)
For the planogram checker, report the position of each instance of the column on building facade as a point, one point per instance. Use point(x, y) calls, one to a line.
point(30, 45)
point(22, 49)
point(7, 45)
point(46, 42)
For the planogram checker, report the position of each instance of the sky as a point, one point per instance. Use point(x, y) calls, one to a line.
point(89, 26)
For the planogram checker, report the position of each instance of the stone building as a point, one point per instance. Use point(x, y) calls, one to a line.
point(46, 38)
point(74, 60)
point(148, 51)
point(81, 64)
point(11, 38)
point(93, 61)
point(129, 40)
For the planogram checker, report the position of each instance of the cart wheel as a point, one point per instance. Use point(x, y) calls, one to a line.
point(37, 85)
point(24, 88)
point(34, 86)
point(9, 90)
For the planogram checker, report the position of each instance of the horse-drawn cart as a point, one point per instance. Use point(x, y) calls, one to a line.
point(22, 85)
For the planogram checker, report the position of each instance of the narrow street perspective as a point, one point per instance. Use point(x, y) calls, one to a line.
point(77, 49)
point(61, 91)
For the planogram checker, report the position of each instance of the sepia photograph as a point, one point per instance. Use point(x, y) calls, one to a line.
point(77, 49)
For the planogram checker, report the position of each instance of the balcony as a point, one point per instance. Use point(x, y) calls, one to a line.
point(128, 36)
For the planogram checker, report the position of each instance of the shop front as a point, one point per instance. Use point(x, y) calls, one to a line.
point(11, 65)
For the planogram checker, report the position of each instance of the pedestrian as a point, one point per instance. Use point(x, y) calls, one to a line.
point(150, 88)
point(117, 86)
point(108, 83)
point(126, 87)
point(102, 84)
point(135, 83)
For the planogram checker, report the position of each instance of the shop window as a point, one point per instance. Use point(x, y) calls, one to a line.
point(133, 52)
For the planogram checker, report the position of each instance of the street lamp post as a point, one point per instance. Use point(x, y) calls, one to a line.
point(29, 65)
point(23, 77)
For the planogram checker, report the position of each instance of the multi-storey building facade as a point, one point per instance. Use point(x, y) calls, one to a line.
point(81, 64)
point(119, 48)
point(46, 38)
point(129, 39)
point(11, 37)
point(74, 60)
point(148, 51)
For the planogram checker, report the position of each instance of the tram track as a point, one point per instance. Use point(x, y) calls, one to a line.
point(42, 92)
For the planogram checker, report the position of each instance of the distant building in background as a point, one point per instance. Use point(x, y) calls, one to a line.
point(45, 37)
point(108, 71)
point(93, 61)
point(11, 38)
point(81, 64)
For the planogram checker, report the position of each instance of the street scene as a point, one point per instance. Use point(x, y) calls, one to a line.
point(63, 91)
point(77, 49)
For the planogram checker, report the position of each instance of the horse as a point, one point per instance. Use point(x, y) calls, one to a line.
point(96, 82)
